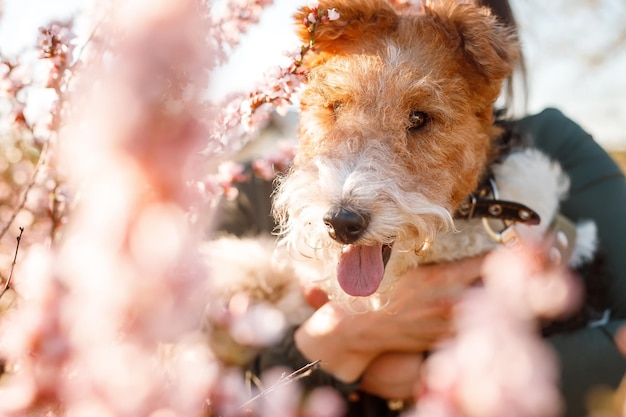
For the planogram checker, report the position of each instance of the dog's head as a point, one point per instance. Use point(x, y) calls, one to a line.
point(396, 129)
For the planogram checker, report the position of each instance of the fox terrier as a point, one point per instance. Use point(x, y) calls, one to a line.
point(399, 156)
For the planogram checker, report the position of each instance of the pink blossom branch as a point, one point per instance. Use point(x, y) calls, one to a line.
point(55, 48)
point(240, 116)
point(237, 19)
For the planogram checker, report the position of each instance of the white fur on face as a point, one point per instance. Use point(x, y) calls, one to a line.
point(364, 183)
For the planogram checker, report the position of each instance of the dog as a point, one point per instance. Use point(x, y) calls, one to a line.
point(397, 130)
point(400, 158)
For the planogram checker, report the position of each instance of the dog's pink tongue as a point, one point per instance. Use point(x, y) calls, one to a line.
point(360, 269)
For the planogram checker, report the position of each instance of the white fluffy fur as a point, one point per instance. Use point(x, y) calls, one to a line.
point(256, 268)
point(586, 243)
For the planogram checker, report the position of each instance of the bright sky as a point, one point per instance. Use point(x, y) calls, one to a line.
point(554, 34)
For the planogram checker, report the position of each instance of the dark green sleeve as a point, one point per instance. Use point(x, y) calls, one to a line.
point(250, 213)
point(286, 355)
point(589, 356)
point(597, 191)
point(589, 359)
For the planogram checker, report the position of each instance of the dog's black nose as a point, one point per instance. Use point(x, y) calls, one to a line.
point(345, 226)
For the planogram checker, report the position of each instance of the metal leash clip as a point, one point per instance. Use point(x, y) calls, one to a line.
point(508, 235)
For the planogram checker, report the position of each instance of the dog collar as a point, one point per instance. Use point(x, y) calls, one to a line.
point(484, 203)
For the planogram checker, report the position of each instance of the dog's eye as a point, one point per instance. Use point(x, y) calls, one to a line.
point(417, 120)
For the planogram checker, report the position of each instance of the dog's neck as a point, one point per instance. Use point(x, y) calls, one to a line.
point(485, 202)
point(517, 178)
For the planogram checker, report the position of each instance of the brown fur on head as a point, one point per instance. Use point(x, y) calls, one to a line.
point(374, 68)
point(364, 25)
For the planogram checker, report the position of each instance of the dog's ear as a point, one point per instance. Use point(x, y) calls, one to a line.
point(360, 23)
point(489, 45)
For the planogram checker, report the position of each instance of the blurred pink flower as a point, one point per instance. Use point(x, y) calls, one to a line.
point(324, 402)
point(498, 364)
point(55, 41)
point(128, 261)
point(333, 14)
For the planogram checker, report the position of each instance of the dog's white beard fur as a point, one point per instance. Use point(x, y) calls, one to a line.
point(404, 218)
point(304, 197)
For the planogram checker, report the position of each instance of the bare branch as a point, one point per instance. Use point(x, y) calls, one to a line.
point(7, 284)
point(33, 180)
point(285, 380)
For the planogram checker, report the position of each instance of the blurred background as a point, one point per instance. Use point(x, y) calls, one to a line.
point(575, 54)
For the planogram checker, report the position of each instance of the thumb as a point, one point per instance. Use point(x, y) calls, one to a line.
point(469, 270)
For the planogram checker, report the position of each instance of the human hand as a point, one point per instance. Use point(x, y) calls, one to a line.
point(417, 317)
point(393, 375)
point(419, 312)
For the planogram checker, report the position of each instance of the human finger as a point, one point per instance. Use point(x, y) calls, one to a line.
point(314, 296)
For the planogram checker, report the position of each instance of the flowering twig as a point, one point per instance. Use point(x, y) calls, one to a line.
point(235, 22)
point(7, 284)
point(84, 46)
point(284, 84)
point(240, 116)
point(54, 46)
point(317, 16)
